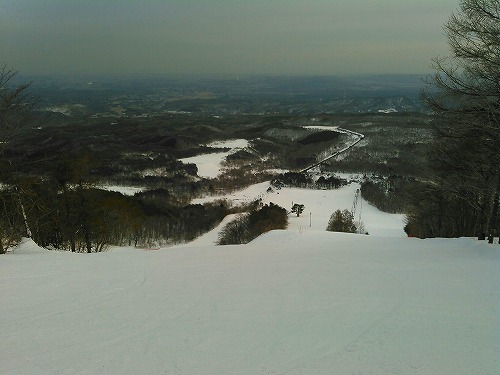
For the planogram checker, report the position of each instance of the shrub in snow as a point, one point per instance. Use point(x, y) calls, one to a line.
point(342, 221)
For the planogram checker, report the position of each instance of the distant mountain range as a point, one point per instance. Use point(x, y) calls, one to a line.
point(156, 95)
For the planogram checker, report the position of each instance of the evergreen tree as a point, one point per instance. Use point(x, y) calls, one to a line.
point(342, 221)
point(298, 209)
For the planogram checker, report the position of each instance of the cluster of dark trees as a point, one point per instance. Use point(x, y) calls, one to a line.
point(292, 179)
point(65, 211)
point(389, 194)
point(331, 182)
point(321, 136)
point(304, 180)
point(251, 225)
point(463, 197)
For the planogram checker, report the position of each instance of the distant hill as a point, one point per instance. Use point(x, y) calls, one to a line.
point(156, 95)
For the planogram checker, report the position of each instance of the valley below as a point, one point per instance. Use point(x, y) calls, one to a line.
point(188, 228)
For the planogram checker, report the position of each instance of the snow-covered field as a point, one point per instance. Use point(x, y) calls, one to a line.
point(210, 165)
point(125, 190)
point(300, 301)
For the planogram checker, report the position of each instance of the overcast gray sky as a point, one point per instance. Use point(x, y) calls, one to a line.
point(234, 37)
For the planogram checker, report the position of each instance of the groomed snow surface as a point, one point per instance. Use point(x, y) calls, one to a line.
point(300, 301)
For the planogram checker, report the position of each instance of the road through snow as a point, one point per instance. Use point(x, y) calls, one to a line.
point(340, 130)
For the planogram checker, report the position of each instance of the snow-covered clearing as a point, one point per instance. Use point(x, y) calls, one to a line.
point(125, 190)
point(210, 165)
point(319, 206)
point(300, 301)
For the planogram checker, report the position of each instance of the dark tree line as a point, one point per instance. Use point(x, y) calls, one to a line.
point(463, 198)
point(331, 182)
point(304, 180)
point(292, 179)
point(82, 218)
point(389, 194)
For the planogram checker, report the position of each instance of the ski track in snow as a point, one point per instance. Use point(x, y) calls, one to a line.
point(287, 303)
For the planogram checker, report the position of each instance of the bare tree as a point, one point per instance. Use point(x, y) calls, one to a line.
point(465, 94)
point(16, 106)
